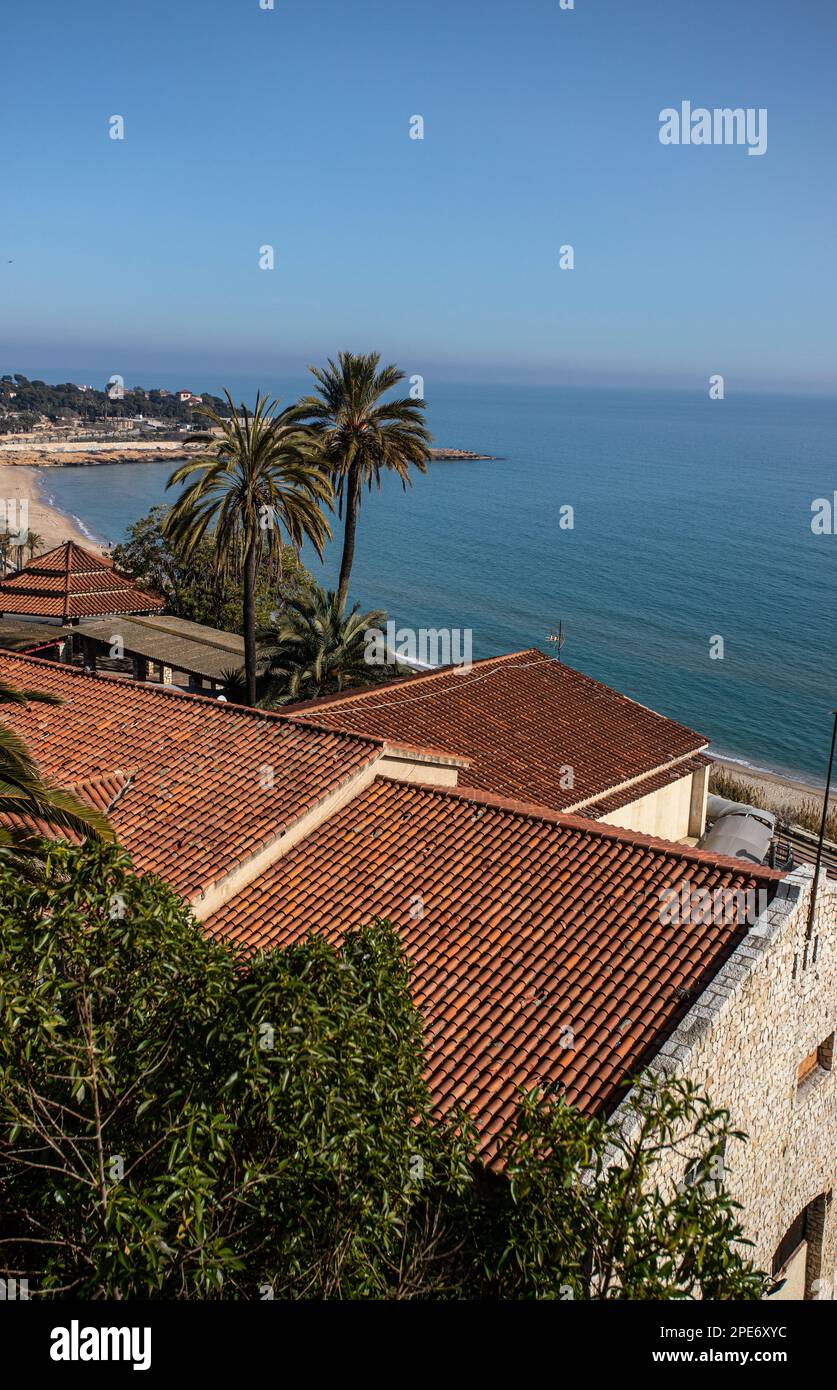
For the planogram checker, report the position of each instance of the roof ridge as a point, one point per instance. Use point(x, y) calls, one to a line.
point(347, 697)
point(67, 548)
point(153, 691)
point(373, 693)
point(530, 810)
point(73, 580)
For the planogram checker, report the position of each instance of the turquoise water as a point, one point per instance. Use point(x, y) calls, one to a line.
point(692, 520)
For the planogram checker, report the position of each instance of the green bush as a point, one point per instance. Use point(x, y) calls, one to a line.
point(180, 1122)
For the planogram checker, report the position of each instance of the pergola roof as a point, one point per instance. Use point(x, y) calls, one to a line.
point(70, 582)
point(176, 642)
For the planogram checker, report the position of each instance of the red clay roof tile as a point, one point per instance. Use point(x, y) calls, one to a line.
point(520, 719)
point(70, 582)
point(518, 924)
point(195, 806)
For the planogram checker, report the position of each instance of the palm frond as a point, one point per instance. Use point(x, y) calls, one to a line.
point(30, 805)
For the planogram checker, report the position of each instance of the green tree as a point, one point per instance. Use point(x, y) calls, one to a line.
point(33, 804)
point(318, 648)
point(257, 478)
point(34, 542)
point(360, 435)
point(181, 1123)
point(587, 1211)
point(194, 588)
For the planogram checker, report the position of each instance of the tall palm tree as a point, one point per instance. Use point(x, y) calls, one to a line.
point(33, 542)
point(259, 476)
point(317, 648)
point(26, 797)
point(5, 548)
point(360, 435)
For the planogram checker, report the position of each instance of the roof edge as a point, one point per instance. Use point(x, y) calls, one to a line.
point(161, 692)
point(345, 697)
point(533, 811)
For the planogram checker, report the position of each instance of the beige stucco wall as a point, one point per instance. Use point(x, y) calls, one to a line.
point(771, 1004)
point(391, 764)
point(666, 812)
point(429, 774)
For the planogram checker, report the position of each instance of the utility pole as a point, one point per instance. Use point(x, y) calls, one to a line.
point(825, 804)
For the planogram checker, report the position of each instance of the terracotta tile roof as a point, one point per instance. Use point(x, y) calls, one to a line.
point(70, 582)
point(608, 804)
point(102, 793)
point(520, 719)
point(519, 924)
point(194, 806)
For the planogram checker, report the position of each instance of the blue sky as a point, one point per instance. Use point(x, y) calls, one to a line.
point(290, 127)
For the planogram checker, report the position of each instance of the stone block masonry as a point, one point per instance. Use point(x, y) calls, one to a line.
point(759, 1041)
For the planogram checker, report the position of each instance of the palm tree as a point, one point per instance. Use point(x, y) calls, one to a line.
point(33, 542)
point(317, 647)
point(26, 797)
point(260, 476)
point(5, 547)
point(360, 435)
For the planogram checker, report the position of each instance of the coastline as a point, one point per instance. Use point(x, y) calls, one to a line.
point(22, 483)
point(86, 454)
point(30, 453)
point(784, 789)
point(22, 474)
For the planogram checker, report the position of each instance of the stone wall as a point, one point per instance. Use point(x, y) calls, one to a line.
point(771, 1005)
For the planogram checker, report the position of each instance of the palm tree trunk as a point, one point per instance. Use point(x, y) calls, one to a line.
point(352, 500)
point(250, 618)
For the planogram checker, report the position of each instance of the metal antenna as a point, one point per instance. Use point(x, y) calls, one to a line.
point(558, 638)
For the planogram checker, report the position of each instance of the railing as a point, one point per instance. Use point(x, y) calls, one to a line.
point(792, 845)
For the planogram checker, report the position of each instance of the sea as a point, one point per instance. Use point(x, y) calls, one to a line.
point(668, 536)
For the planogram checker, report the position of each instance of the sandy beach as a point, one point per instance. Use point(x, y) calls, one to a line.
point(22, 478)
point(783, 790)
point(23, 484)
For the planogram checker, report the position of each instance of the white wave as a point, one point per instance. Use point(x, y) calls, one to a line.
point(781, 774)
point(85, 530)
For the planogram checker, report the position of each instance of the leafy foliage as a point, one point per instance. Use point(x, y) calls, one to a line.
point(179, 1122)
point(318, 648)
point(258, 478)
point(194, 588)
point(23, 403)
point(131, 1044)
point(588, 1212)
